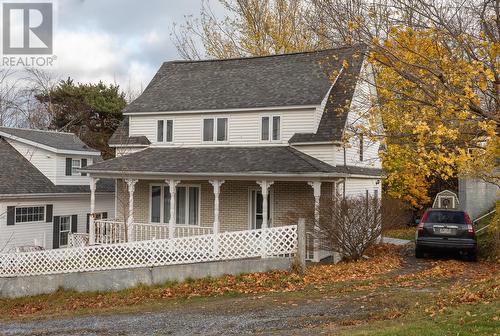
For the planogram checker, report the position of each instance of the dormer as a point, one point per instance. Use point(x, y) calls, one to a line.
point(57, 155)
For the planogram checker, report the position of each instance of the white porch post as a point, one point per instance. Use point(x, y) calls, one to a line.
point(130, 219)
point(93, 184)
point(316, 185)
point(264, 185)
point(216, 184)
point(172, 185)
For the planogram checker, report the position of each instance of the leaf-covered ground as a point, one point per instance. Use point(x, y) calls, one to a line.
point(389, 293)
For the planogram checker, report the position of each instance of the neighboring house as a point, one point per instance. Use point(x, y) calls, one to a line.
point(43, 196)
point(238, 144)
point(477, 197)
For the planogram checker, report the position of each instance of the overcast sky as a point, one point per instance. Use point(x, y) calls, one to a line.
point(122, 41)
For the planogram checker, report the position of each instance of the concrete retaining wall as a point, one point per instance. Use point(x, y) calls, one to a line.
point(114, 280)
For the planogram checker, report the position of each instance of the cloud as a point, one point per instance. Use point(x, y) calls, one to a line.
point(116, 41)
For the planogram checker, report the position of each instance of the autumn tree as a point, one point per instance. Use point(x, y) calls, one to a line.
point(91, 111)
point(249, 28)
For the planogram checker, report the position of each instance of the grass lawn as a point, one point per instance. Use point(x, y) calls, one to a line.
point(407, 232)
point(389, 293)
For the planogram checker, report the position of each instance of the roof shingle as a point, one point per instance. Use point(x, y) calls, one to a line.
point(57, 140)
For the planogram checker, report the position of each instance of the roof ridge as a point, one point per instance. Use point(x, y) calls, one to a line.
point(35, 130)
point(353, 46)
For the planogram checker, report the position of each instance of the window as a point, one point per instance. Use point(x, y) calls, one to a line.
point(265, 128)
point(215, 127)
point(361, 145)
point(165, 134)
point(75, 164)
point(271, 128)
point(30, 214)
point(64, 229)
point(221, 129)
point(187, 207)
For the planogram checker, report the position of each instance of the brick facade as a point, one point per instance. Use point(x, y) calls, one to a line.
point(286, 196)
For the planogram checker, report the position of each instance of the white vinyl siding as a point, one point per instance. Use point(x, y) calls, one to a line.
point(325, 153)
point(42, 159)
point(40, 233)
point(359, 186)
point(76, 178)
point(243, 128)
point(127, 150)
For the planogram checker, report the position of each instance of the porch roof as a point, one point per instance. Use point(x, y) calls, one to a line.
point(203, 161)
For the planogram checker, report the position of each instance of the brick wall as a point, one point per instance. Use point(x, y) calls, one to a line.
point(234, 201)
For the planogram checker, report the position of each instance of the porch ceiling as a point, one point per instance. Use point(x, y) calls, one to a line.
point(224, 161)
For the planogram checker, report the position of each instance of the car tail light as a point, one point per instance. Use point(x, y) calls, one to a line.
point(470, 228)
point(422, 222)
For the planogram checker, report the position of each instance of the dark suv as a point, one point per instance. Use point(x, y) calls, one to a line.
point(446, 229)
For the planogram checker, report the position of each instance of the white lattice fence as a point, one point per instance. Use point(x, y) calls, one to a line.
point(277, 241)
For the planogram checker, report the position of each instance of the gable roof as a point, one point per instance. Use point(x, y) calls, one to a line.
point(297, 79)
point(19, 176)
point(259, 160)
point(333, 120)
point(51, 140)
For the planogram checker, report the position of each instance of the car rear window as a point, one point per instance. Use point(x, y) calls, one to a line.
point(446, 217)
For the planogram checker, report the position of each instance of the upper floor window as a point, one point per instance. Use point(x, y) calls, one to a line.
point(75, 165)
point(215, 129)
point(165, 131)
point(30, 214)
point(72, 166)
point(271, 128)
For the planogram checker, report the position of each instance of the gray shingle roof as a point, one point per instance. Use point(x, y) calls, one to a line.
point(57, 140)
point(121, 136)
point(19, 176)
point(223, 160)
point(269, 81)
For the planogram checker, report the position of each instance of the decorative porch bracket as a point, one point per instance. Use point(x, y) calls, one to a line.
point(130, 218)
point(316, 185)
point(93, 185)
point(172, 185)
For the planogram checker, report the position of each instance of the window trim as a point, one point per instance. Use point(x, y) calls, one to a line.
point(68, 231)
point(162, 203)
point(44, 206)
point(164, 131)
point(215, 129)
point(270, 128)
point(73, 167)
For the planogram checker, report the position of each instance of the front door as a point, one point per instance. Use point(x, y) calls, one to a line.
point(256, 209)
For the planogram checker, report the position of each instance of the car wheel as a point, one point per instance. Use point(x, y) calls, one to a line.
point(419, 253)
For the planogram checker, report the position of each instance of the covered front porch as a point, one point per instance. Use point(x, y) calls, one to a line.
point(203, 206)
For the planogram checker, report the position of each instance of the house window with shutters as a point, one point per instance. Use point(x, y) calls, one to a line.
point(30, 214)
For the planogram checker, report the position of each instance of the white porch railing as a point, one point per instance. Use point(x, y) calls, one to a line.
point(115, 231)
point(278, 241)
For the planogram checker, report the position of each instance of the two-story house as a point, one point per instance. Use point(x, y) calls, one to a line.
point(43, 196)
point(236, 144)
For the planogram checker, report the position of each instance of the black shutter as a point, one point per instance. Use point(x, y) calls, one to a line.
point(11, 215)
point(69, 163)
point(84, 164)
point(55, 233)
point(104, 215)
point(74, 223)
point(48, 214)
point(88, 223)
